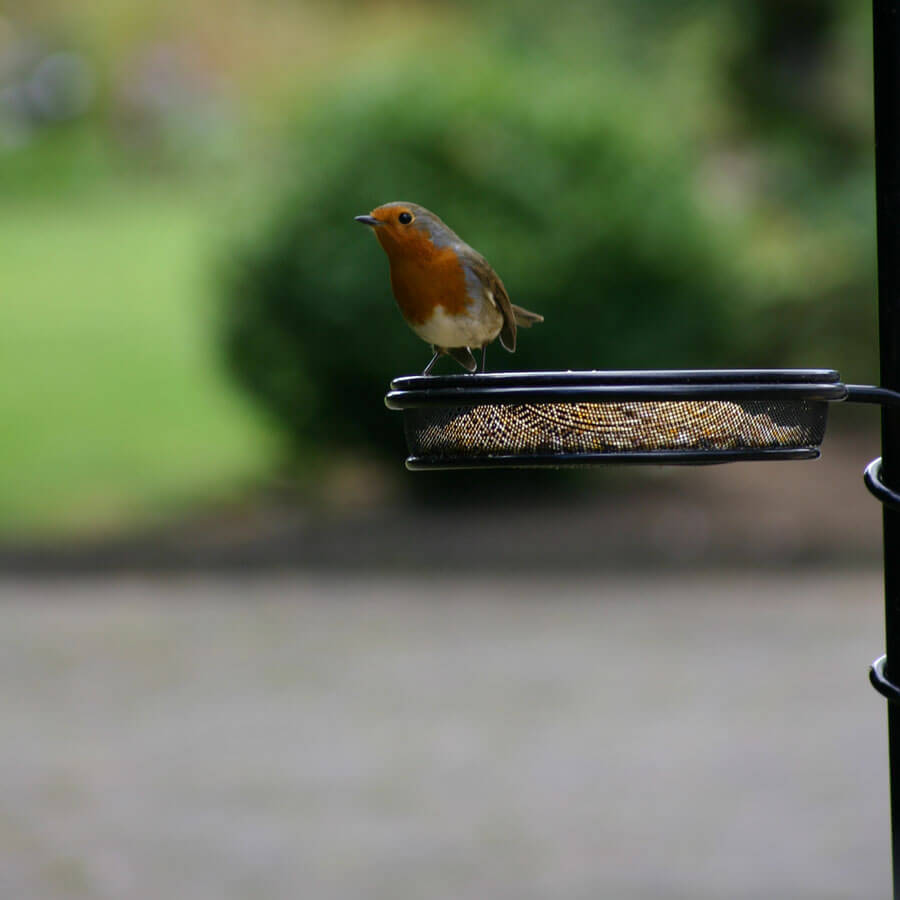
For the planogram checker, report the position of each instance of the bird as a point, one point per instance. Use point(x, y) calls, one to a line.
point(447, 292)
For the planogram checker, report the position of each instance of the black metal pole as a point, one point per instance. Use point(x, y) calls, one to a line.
point(886, 33)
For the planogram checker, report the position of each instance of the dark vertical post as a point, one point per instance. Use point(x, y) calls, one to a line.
point(886, 30)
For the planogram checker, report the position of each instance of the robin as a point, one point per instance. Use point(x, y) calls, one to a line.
point(448, 292)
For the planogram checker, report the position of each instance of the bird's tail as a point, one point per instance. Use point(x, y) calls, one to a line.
point(524, 317)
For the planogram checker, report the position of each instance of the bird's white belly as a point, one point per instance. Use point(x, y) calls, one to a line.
point(464, 330)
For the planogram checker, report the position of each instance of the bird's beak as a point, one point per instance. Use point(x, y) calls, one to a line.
point(368, 220)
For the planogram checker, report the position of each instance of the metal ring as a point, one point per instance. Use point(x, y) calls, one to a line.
point(872, 478)
point(879, 680)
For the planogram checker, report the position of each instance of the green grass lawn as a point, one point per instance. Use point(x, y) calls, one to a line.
point(114, 408)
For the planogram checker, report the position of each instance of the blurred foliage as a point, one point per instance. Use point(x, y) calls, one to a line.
point(671, 182)
point(657, 202)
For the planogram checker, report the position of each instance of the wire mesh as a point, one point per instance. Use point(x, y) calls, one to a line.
point(614, 427)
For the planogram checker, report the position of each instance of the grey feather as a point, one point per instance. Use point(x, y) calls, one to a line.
point(525, 318)
point(463, 355)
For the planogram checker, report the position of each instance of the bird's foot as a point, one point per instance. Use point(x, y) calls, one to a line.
point(434, 359)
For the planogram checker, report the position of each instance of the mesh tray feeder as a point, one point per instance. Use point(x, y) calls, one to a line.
point(561, 419)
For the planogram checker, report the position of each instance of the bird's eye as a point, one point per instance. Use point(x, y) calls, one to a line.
point(404, 218)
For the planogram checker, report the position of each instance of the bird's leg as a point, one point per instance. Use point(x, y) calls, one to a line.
point(483, 358)
point(434, 359)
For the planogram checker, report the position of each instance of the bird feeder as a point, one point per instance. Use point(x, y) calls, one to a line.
point(558, 419)
point(561, 419)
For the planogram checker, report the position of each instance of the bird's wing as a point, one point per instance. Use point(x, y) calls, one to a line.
point(491, 282)
point(508, 332)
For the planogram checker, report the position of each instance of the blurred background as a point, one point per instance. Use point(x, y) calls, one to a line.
point(238, 635)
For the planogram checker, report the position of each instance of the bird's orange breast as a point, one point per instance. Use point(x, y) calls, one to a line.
point(424, 276)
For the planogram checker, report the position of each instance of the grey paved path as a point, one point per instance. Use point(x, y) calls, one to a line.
point(401, 738)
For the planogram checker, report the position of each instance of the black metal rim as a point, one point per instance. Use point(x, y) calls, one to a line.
point(623, 376)
point(418, 391)
point(567, 460)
